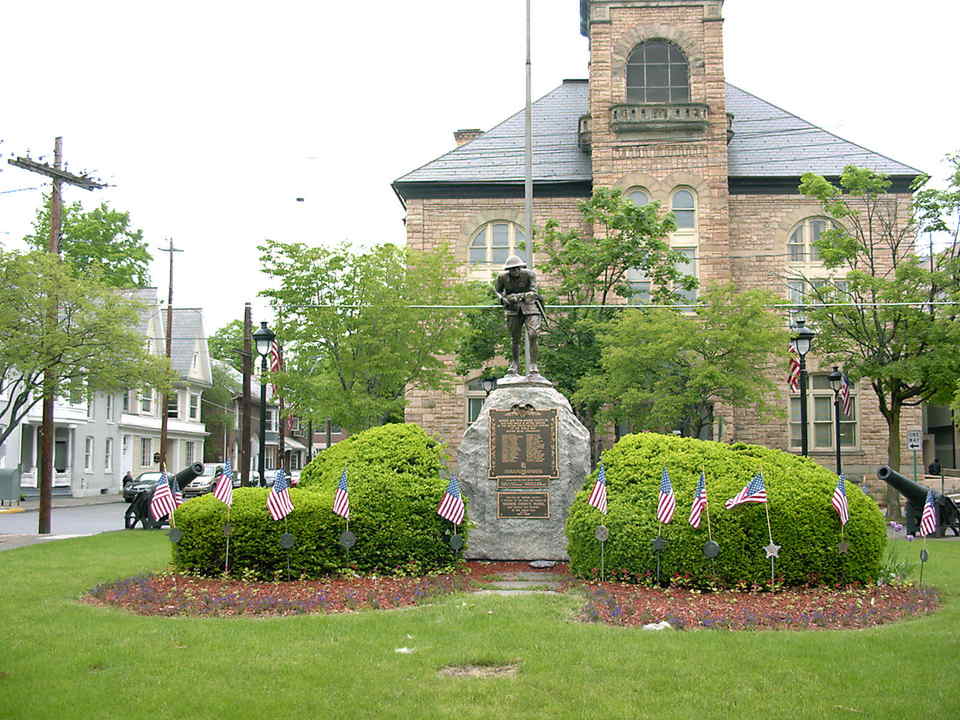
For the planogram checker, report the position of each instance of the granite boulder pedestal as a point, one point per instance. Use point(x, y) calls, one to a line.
point(521, 464)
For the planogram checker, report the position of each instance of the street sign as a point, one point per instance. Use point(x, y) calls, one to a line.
point(913, 440)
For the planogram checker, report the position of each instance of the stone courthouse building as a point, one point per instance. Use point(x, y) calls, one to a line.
point(656, 119)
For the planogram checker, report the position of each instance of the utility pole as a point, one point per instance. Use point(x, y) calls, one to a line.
point(58, 175)
point(245, 401)
point(166, 398)
point(528, 178)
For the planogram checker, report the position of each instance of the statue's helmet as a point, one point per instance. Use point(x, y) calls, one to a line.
point(514, 261)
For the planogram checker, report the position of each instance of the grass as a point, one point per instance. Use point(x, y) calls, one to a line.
point(60, 658)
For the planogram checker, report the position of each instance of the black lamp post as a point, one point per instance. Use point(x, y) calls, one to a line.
point(801, 345)
point(836, 382)
point(263, 338)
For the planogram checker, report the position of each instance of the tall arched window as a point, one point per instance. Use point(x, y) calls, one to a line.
point(657, 72)
point(801, 244)
point(495, 241)
point(683, 205)
point(684, 209)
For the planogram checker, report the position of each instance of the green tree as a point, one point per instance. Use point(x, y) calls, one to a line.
point(885, 332)
point(94, 344)
point(663, 368)
point(217, 412)
point(352, 343)
point(226, 344)
point(101, 238)
point(587, 269)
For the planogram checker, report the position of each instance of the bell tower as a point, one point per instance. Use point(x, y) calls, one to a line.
point(657, 126)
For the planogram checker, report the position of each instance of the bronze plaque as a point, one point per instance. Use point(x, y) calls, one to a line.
point(523, 443)
point(527, 506)
point(522, 483)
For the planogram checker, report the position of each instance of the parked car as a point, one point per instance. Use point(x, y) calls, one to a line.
point(143, 481)
point(205, 483)
point(271, 475)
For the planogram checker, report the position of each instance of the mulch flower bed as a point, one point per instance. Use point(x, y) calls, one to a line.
point(819, 608)
point(170, 594)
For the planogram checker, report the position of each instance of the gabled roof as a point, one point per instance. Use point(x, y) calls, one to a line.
point(768, 142)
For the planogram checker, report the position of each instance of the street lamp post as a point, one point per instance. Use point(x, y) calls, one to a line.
point(263, 338)
point(836, 382)
point(488, 384)
point(801, 345)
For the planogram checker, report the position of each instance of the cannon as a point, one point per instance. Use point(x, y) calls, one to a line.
point(139, 510)
point(948, 515)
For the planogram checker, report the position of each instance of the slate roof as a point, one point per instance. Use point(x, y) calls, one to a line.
point(768, 142)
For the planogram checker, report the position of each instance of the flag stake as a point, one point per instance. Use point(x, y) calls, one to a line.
point(226, 561)
point(766, 507)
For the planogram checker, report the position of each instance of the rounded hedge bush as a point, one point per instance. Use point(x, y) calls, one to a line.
point(395, 486)
point(802, 518)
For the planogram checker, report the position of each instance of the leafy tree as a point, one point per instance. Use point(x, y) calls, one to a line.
point(100, 238)
point(587, 269)
point(226, 344)
point(217, 412)
point(352, 343)
point(94, 344)
point(905, 348)
point(663, 368)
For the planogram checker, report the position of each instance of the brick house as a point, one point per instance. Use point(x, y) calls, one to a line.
point(656, 119)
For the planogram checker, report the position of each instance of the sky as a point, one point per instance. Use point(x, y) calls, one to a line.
point(209, 119)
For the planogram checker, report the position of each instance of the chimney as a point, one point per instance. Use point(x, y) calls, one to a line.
point(465, 136)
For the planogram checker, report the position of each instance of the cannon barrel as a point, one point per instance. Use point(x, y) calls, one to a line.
point(184, 477)
point(913, 492)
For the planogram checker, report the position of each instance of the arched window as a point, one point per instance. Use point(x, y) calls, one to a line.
point(684, 209)
point(495, 242)
point(638, 195)
point(800, 245)
point(657, 72)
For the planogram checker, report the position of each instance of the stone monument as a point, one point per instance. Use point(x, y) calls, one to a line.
point(526, 455)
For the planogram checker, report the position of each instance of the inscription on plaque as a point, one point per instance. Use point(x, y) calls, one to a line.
point(536, 483)
point(523, 443)
point(530, 506)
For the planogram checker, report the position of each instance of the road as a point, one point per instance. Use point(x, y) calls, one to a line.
point(16, 529)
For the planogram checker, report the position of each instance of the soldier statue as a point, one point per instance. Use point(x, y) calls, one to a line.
point(516, 287)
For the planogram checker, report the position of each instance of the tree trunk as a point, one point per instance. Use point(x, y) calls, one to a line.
point(893, 460)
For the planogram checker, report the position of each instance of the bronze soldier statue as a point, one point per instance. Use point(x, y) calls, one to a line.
point(516, 287)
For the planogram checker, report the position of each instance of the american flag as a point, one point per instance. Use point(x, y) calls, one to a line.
point(699, 501)
point(278, 501)
point(793, 372)
point(598, 498)
point(845, 401)
point(840, 500)
point(224, 489)
point(451, 506)
point(163, 502)
point(928, 520)
point(668, 501)
point(341, 498)
point(276, 361)
point(753, 492)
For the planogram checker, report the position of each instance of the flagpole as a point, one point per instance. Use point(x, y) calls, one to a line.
point(659, 551)
point(766, 507)
point(226, 561)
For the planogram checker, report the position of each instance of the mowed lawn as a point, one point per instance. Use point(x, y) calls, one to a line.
point(60, 658)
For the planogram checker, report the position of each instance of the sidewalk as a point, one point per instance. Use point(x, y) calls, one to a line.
point(33, 504)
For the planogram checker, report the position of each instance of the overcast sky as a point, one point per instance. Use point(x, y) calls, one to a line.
point(212, 118)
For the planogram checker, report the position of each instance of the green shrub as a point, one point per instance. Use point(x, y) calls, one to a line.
point(395, 486)
point(395, 448)
point(802, 519)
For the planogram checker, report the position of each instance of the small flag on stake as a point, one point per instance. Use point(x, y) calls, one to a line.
point(928, 520)
point(753, 492)
point(699, 501)
point(667, 502)
point(163, 502)
point(598, 497)
point(451, 505)
point(840, 500)
point(278, 501)
point(224, 489)
point(341, 498)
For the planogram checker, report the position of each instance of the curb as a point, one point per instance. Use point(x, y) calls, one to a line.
point(12, 510)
